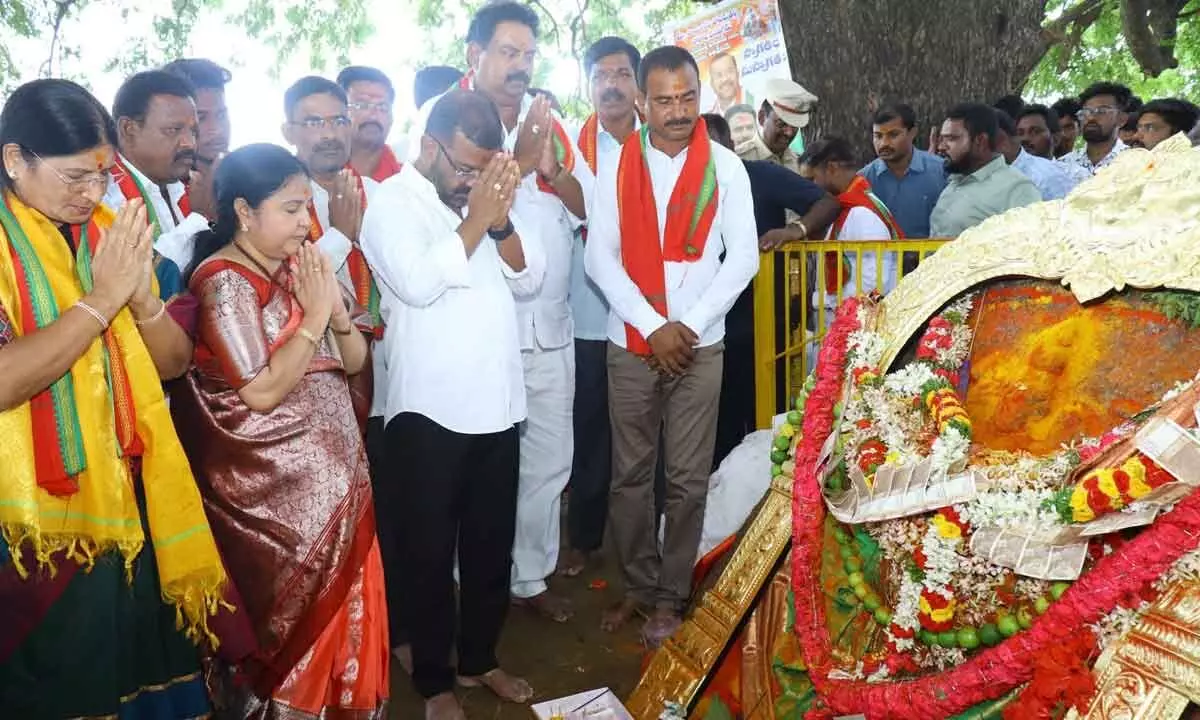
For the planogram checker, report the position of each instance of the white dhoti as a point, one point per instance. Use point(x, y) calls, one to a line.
point(546, 451)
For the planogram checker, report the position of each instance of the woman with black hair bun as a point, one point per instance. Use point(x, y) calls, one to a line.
point(271, 423)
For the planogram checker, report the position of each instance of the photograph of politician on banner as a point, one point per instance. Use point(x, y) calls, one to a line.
point(739, 45)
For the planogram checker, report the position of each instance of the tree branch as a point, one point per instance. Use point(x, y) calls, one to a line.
point(1073, 20)
point(62, 7)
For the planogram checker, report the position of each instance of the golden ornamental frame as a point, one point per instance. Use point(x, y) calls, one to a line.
point(1137, 224)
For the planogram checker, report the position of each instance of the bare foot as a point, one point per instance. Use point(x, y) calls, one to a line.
point(573, 564)
point(507, 687)
point(444, 707)
point(616, 616)
point(661, 625)
point(552, 607)
point(403, 655)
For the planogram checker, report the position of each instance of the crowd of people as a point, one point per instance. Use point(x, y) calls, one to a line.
point(277, 418)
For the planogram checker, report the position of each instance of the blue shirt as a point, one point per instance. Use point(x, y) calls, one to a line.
point(910, 198)
point(1051, 178)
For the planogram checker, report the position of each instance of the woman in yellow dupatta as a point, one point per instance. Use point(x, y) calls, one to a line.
point(108, 570)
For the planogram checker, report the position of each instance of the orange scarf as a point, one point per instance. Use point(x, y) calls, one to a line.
point(366, 293)
point(858, 194)
point(562, 142)
point(690, 215)
point(387, 166)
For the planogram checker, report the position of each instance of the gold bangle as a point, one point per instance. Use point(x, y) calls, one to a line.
point(162, 309)
point(93, 312)
point(307, 335)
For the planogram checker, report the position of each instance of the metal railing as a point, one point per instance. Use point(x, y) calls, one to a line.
point(794, 305)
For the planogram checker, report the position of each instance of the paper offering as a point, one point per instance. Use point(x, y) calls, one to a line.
point(599, 704)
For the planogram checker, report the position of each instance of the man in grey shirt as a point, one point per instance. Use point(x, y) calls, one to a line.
point(981, 183)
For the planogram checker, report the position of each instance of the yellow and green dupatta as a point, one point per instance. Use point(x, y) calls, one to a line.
point(66, 483)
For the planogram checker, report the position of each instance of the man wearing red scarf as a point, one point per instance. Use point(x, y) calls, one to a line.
point(370, 95)
point(501, 47)
point(156, 121)
point(664, 215)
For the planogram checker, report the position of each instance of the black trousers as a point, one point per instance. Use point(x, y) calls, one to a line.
point(591, 470)
point(452, 492)
point(735, 419)
point(387, 522)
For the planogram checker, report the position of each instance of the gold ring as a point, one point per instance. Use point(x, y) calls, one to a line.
point(497, 187)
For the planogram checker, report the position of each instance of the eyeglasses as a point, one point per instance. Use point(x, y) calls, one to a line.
point(1087, 112)
point(459, 170)
point(80, 184)
point(316, 123)
point(382, 107)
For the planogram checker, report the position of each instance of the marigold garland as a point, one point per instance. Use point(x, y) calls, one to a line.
point(989, 673)
point(1104, 490)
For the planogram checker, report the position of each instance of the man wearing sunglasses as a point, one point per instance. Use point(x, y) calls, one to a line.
point(1105, 105)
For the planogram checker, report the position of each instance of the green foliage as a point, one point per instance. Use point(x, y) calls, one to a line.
point(1179, 305)
point(1103, 54)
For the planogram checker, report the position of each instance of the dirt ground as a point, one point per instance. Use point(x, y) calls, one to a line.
point(556, 659)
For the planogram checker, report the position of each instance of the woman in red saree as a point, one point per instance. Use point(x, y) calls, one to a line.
point(268, 420)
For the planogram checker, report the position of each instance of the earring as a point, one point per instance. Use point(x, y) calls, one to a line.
point(244, 228)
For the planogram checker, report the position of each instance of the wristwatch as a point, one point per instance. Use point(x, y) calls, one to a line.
point(502, 234)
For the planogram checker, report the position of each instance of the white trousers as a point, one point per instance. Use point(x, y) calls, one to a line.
point(546, 452)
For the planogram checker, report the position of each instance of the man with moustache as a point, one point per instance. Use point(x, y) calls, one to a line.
point(451, 254)
point(782, 115)
point(1038, 130)
point(671, 251)
point(1051, 178)
point(319, 127)
point(981, 182)
point(743, 127)
point(501, 48)
point(370, 95)
point(611, 64)
point(156, 123)
point(726, 82)
point(1102, 115)
point(907, 179)
point(1067, 110)
point(212, 116)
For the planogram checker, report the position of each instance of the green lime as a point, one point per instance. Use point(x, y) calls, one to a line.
point(927, 637)
point(861, 591)
point(846, 551)
point(799, 404)
point(794, 417)
point(872, 602)
point(1025, 617)
point(841, 536)
point(856, 578)
point(1041, 605)
point(835, 483)
point(883, 617)
point(1008, 626)
point(776, 469)
point(968, 638)
point(947, 639)
point(853, 564)
point(989, 634)
point(1058, 588)
point(778, 456)
point(782, 442)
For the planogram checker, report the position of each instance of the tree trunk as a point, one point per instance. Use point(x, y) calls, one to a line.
point(856, 55)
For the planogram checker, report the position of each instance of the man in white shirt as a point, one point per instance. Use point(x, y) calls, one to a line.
point(611, 65)
point(655, 249)
point(501, 47)
point(450, 257)
point(155, 113)
point(1101, 117)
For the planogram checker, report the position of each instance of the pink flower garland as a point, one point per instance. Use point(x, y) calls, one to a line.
point(989, 673)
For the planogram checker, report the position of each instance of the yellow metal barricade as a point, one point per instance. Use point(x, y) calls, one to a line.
point(792, 309)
